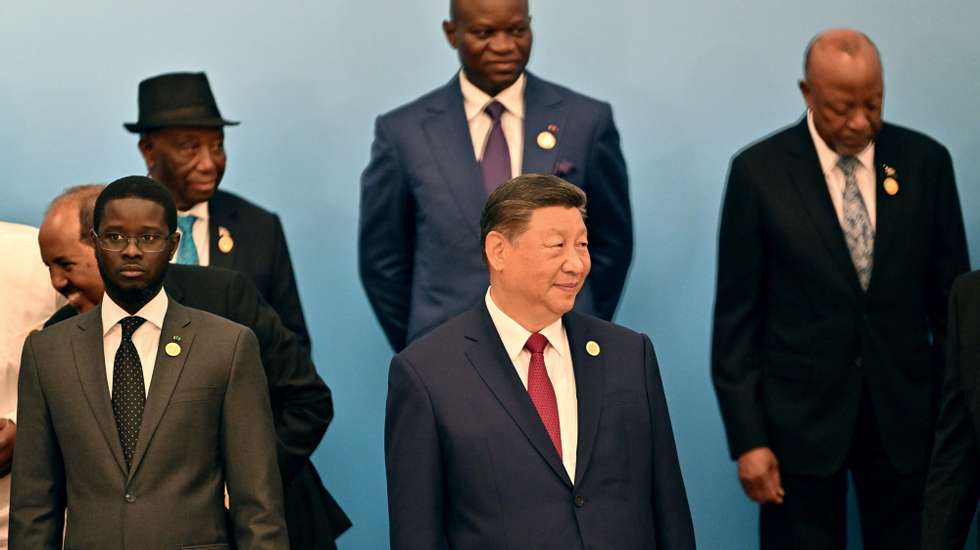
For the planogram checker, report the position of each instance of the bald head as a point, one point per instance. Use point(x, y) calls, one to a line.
point(839, 46)
point(843, 89)
point(67, 249)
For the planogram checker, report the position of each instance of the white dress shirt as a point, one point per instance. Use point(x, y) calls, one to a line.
point(864, 171)
point(199, 233)
point(26, 301)
point(476, 100)
point(146, 338)
point(558, 363)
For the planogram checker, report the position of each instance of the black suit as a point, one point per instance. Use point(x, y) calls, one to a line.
point(953, 486)
point(260, 252)
point(301, 403)
point(799, 350)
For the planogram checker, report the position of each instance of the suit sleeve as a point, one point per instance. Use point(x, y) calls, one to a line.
point(386, 243)
point(283, 294)
point(952, 485)
point(610, 220)
point(38, 494)
point(247, 447)
point(302, 406)
point(413, 460)
point(950, 255)
point(735, 356)
point(672, 514)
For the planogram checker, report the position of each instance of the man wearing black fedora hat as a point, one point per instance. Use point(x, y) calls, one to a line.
point(182, 141)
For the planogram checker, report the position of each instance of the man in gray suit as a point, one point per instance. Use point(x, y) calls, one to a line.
point(134, 416)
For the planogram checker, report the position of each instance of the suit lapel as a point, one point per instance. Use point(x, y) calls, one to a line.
point(589, 388)
point(542, 108)
point(448, 136)
point(487, 355)
point(219, 216)
point(887, 207)
point(807, 176)
point(166, 372)
point(87, 349)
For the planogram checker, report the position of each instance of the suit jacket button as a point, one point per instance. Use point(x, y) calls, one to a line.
point(129, 498)
point(579, 501)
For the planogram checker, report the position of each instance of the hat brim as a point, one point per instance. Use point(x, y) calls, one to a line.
point(138, 127)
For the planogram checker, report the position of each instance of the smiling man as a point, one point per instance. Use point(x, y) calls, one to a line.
point(840, 239)
point(134, 416)
point(435, 160)
point(523, 424)
point(182, 142)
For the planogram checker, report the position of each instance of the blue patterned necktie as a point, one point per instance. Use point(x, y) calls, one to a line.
point(495, 164)
point(128, 391)
point(858, 233)
point(187, 251)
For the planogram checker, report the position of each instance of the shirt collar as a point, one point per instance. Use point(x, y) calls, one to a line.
point(153, 311)
point(199, 210)
point(828, 157)
point(476, 100)
point(514, 336)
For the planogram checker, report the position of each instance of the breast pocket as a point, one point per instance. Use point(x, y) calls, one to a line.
point(194, 395)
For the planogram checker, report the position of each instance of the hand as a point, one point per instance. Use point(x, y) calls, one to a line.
point(758, 470)
point(8, 436)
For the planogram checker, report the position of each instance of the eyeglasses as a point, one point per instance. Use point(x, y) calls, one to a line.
point(151, 243)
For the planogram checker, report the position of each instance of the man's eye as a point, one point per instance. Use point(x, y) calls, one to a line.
point(150, 238)
point(114, 237)
point(519, 31)
point(482, 33)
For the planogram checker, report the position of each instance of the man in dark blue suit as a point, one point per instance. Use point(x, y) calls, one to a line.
point(435, 160)
point(521, 424)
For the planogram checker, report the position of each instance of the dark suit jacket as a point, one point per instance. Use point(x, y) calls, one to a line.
point(422, 195)
point(207, 423)
point(796, 340)
point(260, 252)
point(470, 464)
point(302, 406)
point(953, 486)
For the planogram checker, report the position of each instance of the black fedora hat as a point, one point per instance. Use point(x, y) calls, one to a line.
point(177, 99)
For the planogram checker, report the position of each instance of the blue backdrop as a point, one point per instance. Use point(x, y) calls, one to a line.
point(690, 83)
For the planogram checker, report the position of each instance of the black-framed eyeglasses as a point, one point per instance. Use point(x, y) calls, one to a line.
point(150, 243)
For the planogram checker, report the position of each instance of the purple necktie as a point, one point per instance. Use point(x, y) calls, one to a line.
point(496, 156)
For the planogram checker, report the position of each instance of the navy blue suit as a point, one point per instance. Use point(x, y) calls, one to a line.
point(422, 195)
point(470, 464)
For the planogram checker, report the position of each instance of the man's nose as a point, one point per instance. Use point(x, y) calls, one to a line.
point(501, 42)
point(58, 279)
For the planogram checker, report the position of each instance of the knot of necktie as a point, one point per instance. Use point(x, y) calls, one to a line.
point(536, 343)
point(130, 324)
point(186, 223)
point(495, 109)
point(847, 164)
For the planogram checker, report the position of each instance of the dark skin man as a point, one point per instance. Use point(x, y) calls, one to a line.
point(843, 87)
point(188, 161)
point(493, 38)
point(133, 275)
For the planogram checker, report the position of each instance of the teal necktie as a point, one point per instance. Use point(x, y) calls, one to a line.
point(187, 252)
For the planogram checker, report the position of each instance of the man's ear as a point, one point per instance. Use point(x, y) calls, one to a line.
point(146, 149)
point(495, 247)
point(449, 28)
point(807, 93)
point(174, 245)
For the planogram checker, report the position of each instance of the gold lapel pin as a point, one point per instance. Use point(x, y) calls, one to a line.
point(225, 242)
point(173, 348)
point(592, 348)
point(891, 182)
point(547, 140)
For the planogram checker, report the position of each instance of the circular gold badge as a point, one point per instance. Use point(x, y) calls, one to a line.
point(172, 349)
point(592, 348)
point(547, 140)
point(891, 186)
point(225, 243)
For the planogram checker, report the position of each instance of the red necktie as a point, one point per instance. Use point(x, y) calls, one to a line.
point(540, 389)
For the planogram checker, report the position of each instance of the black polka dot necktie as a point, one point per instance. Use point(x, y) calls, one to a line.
point(128, 393)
